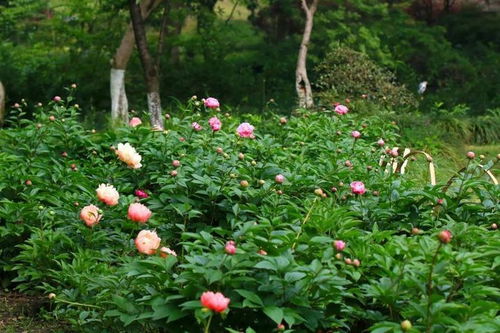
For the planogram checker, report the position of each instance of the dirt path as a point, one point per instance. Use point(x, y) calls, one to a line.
point(21, 313)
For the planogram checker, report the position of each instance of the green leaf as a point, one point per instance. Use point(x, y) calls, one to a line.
point(294, 276)
point(275, 313)
point(250, 296)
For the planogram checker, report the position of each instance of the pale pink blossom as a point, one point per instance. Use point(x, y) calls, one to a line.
point(358, 187)
point(339, 245)
point(341, 109)
point(197, 127)
point(176, 163)
point(108, 194)
point(214, 301)
point(135, 121)
point(165, 252)
point(57, 99)
point(211, 103)
point(381, 142)
point(90, 215)
point(215, 124)
point(126, 153)
point(279, 179)
point(137, 212)
point(355, 134)
point(245, 130)
point(147, 242)
point(230, 247)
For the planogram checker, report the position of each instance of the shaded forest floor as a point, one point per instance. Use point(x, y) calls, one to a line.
point(21, 313)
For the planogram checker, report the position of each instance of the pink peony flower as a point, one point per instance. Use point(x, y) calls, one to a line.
point(137, 212)
point(214, 301)
point(245, 130)
point(147, 242)
point(197, 127)
point(165, 252)
point(126, 153)
point(394, 152)
point(108, 194)
point(57, 99)
point(445, 236)
point(355, 134)
point(135, 122)
point(90, 215)
point(211, 103)
point(141, 194)
point(358, 188)
point(339, 245)
point(230, 247)
point(176, 163)
point(381, 142)
point(279, 179)
point(341, 109)
point(215, 124)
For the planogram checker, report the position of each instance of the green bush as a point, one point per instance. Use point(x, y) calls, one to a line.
point(345, 73)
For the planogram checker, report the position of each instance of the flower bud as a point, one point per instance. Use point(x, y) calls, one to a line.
point(406, 325)
point(445, 236)
point(176, 163)
point(244, 183)
point(52, 296)
point(173, 173)
point(415, 231)
point(471, 155)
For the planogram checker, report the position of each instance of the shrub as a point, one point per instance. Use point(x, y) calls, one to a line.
point(345, 73)
point(230, 227)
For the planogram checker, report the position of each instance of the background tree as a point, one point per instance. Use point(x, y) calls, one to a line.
point(302, 84)
point(119, 101)
point(150, 67)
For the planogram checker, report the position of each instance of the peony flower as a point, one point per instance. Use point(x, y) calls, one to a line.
point(445, 236)
point(358, 188)
point(135, 122)
point(165, 252)
point(137, 212)
point(471, 155)
point(214, 301)
point(245, 130)
point(339, 245)
point(341, 109)
point(279, 179)
point(147, 242)
point(126, 153)
point(197, 127)
point(230, 247)
point(215, 124)
point(57, 99)
point(381, 142)
point(355, 134)
point(211, 103)
point(90, 215)
point(108, 194)
point(141, 194)
point(176, 163)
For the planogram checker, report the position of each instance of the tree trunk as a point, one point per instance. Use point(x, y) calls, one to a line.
point(302, 84)
point(2, 103)
point(119, 101)
point(148, 64)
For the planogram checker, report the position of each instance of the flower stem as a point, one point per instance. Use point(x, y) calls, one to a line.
point(429, 289)
point(207, 326)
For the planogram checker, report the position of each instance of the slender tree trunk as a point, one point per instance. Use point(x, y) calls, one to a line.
point(149, 67)
point(2, 103)
point(119, 101)
point(302, 84)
